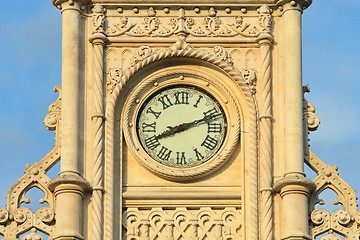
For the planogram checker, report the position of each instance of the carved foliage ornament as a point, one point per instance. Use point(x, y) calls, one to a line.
point(166, 26)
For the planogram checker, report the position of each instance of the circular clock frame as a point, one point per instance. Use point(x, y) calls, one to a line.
point(180, 76)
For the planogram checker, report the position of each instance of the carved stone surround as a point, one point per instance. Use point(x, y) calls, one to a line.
point(210, 34)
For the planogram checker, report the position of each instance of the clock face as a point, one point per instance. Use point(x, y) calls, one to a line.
point(181, 126)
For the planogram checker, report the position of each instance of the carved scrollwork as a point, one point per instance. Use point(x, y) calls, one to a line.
point(114, 77)
point(98, 18)
point(250, 78)
point(51, 120)
point(22, 214)
point(4, 215)
point(195, 26)
point(182, 223)
point(313, 120)
point(265, 18)
point(120, 27)
point(345, 221)
point(213, 26)
point(18, 219)
point(143, 52)
point(45, 215)
point(221, 53)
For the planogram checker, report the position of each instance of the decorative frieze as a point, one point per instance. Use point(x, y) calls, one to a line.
point(182, 223)
point(194, 23)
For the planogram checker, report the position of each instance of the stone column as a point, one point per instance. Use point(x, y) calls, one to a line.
point(69, 187)
point(70, 85)
point(265, 125)
point(294, 188)
point(98, 40)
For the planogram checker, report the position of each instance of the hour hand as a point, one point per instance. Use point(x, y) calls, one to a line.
point(170, 131)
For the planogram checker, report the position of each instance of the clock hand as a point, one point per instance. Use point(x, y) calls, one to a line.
point(184, 126)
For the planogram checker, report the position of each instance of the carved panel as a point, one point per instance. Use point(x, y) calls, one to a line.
point(182, 223)
point(152, 22)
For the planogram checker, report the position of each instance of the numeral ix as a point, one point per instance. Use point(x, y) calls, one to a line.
point(149, 127)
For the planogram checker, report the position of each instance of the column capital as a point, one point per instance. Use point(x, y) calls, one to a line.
point(69, 182)
point(294, 184)
point(265, 38)
point(98, 39)
point(294, 4)
point(70, 3)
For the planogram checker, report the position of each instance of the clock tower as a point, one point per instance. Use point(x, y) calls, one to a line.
point(179, 120)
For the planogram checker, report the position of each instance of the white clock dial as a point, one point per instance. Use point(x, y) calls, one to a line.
point(181, 126)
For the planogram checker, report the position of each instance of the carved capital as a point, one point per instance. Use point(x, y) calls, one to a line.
point(69, 182)
point(294, 184)
point(60, 4)
point(294, 4)
point(98, 39)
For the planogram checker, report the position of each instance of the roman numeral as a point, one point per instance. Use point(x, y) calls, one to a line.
point(156, 114)
point(148, 127)
point(209, 142)
point(165, 101)
point(152, 142)
point(181, 97)
point(180, 158)
point(164, 153)
point(214, 127)
point(198, 101)
point(211, 112)
point(199, 156)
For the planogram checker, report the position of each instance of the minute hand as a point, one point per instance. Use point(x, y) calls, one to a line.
point(184, 126)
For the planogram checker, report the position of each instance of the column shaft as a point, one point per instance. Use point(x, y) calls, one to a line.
point(70, 90)
point(293, 92)
point(69, 187)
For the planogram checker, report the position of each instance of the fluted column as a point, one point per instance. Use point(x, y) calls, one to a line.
point(294, 188)
point(98, 39)
point(70, 186)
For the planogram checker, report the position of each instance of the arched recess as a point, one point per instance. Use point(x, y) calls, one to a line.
point(147, 64)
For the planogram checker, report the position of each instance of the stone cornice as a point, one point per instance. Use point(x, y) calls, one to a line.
point(187, 2)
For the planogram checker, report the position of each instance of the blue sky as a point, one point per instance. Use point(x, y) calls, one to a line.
point(30, 66)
